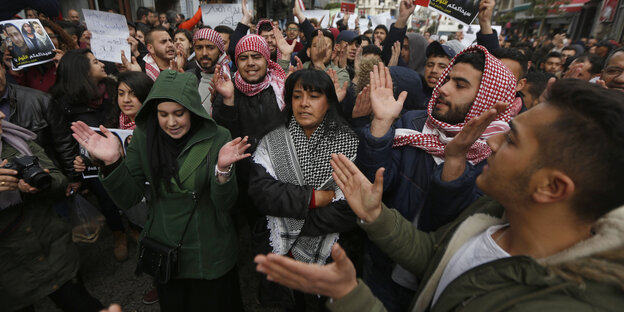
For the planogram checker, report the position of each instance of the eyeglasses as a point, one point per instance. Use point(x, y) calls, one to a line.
point(613, 71)
point(292, 29)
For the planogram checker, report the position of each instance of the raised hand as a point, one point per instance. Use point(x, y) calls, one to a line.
point(105, 148)
point(180, 58)
point(486, 9)
point(396, 52)
point(79, 165)
point(222, 83)
point(362, 104)
point(406, 9)
point(134, 66)
point(385, 108)
point(298, 13)
point(455, 151)
point(358, 59)
point(232, 152)
point(339, 55)
point(334, 280)
point(283, 46)
point(58, 54)
point(292, 69)
point(247, 14)
point(363, 197)
point(134, 45)
point(341, 91)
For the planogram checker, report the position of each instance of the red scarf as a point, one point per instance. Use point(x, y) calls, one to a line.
point(275, 75)
point(151, 67)
point(497, 84)
point(125, 123)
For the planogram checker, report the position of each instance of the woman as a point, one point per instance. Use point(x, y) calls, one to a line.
point(37, 255)
point(84, 93)
point(183, 39)
point(132, 90)
point(42, 39)
point(30, 38)
point(187, 160)
point(291, 183)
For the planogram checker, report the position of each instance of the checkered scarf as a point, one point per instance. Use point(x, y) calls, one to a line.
point(497, 84)
point(289, 156)
point(214, 37)
point(275, 75)
point(125, 122)
point(151, 67)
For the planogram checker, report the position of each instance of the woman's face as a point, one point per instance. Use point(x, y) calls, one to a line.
point(140, 36)
point(27, 28)
point(180, 40)
point(309, 108)
point(174, 119)
point(97, 68)
point(127, 101)
point(38, 28)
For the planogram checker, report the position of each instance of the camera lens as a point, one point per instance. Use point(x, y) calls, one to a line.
point(36, 177)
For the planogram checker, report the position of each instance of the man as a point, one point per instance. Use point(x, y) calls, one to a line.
point(552, 63)
point(161, 52)
point(73, 16)
point(379, 34)
point(252, 104)
point(535, 85)
point(152, 18)
point(438, 58)
point(539, 243)
point(349, 41)
point(265, 30)
point(30, 13)
point(17, 40)
point(604, 48)
point(209, 52)
point(292, 34)
point(319, 53)
point(225, 32)
point(518, 64)
point(416, 145)
point(585, 67)
point(612, 72)
point(31, 109)
point(162, 18)
point(567, 52)
point(141, 18)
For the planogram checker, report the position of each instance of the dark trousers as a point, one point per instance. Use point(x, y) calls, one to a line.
point(72, 297)
point(107, 207)
point(221, 294)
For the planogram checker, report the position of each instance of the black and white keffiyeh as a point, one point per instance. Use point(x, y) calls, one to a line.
point(289, 156)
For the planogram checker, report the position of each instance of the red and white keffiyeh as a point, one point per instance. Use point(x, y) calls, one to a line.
point(214, 37)
point(151, 67)
point(125, 123)
point(497, 84)
point(275, 75)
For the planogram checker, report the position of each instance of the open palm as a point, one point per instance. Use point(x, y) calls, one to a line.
point(105, 148)
point(382, 95)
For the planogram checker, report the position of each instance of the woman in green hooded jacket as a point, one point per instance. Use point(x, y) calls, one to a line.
point(187, 160)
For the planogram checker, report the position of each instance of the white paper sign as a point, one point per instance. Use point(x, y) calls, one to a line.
point(380, 19)
point(470, 33)
point(352, 19)
point(229, 15)
point(109, 35)
point(317, 14)
point(363, 25)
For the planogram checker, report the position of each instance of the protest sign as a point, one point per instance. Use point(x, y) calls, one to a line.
point(216, 14)
point(464, 11)
point(318, 15)
point(352, 19)
point(28, 43)
point(109, 35)
point(346, 7)
point(424, 3)
point(470, 33)
point(380, 19)
point(124, 137)
point(363, 25)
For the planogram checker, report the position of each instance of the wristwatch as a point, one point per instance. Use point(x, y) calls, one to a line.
point(225, 174)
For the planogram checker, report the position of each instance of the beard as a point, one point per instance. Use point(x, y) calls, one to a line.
point(454, 115)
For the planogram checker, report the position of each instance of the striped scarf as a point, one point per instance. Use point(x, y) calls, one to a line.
point(151, 67)
point(497, 84)
point(275, 75)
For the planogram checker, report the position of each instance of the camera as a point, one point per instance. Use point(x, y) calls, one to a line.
point(28, 168)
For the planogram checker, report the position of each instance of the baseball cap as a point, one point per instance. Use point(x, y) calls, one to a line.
point(436, 48)
point(347, 36)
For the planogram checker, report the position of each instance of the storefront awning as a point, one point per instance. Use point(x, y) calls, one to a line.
point(571, 7)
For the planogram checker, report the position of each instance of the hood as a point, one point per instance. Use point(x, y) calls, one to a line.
point(176, 87)
point(599, 258)
point(405, 79)
point(417, 46)
point(497, 84)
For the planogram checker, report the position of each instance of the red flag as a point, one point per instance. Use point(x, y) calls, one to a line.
point(424, 3)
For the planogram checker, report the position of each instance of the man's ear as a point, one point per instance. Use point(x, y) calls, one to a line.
point(551, 185)
point(308, 51)
point(150, 48)
point(520, 85)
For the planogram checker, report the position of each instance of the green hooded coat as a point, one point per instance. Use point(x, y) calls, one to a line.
point(209, 247)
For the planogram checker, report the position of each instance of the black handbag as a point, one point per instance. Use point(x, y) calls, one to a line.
point(159, 260)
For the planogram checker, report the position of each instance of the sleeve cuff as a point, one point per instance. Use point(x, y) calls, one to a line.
point(382, 226)
point(359, 299)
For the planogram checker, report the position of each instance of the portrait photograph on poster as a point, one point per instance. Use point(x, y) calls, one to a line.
point(28, 42)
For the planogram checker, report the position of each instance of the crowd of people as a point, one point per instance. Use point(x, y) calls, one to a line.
point(376, 170)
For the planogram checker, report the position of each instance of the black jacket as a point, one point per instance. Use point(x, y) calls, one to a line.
point(34, 110)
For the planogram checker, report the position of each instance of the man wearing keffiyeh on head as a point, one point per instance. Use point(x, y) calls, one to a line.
point(432, 157)
point(209, 52)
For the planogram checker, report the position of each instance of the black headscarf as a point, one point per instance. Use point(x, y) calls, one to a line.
point(164, 150)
